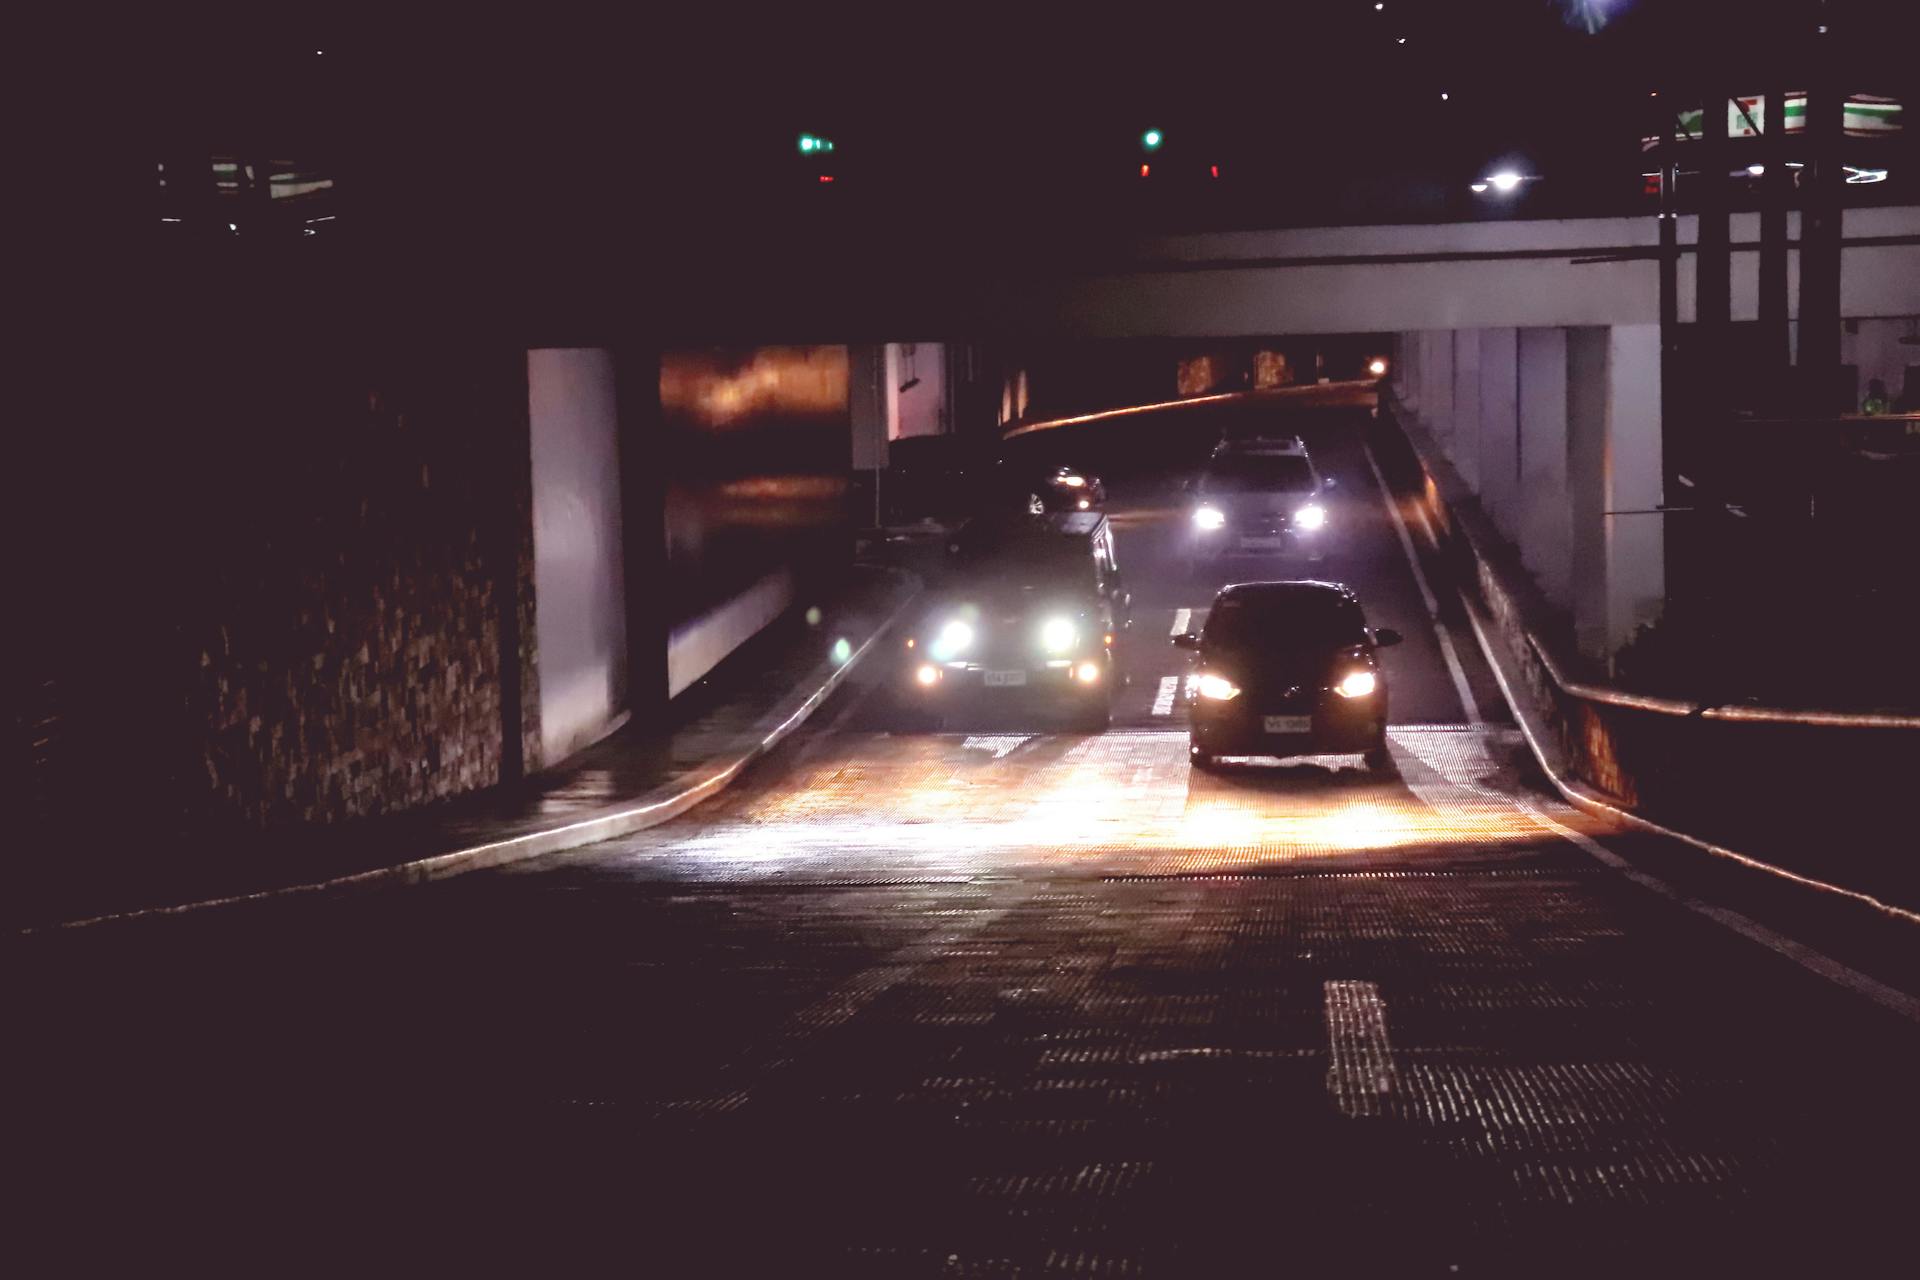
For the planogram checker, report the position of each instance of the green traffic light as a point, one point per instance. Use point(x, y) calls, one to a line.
point(808, 142)
point(1151, 139)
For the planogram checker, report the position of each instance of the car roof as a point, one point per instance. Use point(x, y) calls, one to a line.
point(1262, 444)
point(1061, 524)
point(1296, 588)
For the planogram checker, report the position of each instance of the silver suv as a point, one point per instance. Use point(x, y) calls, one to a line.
point(1259, 498)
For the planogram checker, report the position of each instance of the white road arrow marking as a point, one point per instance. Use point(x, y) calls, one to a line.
point(1361, 1074)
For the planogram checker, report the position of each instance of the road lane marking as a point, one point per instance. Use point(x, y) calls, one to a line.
point(1361, 1073)
point(1181, 619)
point(1163, 701)
point(1454, 670)
point(998, 743)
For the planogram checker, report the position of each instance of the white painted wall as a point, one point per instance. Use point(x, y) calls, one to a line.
point(1546, 520)
point(921, 409)
point(698, 646)
point(579, 573)
point(1464, 445)
point(1875, 349)
point(1557, 430)
point(1615, 484)
point(1500, 429)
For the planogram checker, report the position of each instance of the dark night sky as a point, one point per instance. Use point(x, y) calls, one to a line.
point(960, 117)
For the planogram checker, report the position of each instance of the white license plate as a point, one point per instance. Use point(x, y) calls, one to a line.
point(1262, 544)
point(1287, 724)
point(1005, 679)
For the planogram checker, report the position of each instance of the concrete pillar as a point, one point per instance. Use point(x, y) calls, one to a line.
point(1464, 448)
point(870, 406)
point(1436, 397)
point(1500, 429)
point(1545, 522)
point(1614, 450)
point(1404, 373)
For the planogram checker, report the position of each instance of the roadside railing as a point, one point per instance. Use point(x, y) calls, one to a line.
point(1823, 791)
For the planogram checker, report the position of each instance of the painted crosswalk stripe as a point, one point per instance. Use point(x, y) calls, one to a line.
point(1163, 700)
point(1181, 617)
point(1361, 1073)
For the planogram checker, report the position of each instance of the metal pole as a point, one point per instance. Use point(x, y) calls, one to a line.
point(1820, 225)
point(1713, 255)
point(1776, 190)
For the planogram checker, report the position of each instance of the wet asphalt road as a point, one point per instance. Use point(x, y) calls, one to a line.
point(1004, 999)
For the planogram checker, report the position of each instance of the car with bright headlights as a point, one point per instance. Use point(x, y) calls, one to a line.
point(1259, 501)
point(1028, 615)
point(1287, 669)
point(1038, 489)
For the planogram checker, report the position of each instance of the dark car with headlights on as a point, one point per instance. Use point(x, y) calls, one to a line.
point(1259, 501)
point(1038, 489)
point(1028, 615)
point(1287, 669)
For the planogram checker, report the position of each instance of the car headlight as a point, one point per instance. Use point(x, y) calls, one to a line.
point(1311, 516)
point(951, 639)
point(1209, 517)
point(1219, 688)
point(1058, 634)
point(1073, 482)
point(1356, 684)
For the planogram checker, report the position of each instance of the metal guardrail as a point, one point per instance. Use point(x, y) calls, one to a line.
point(1608, 695)
point(1612, 697)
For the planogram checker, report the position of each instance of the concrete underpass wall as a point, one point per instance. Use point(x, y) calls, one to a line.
point(1557, 434)
point(1592, 272)
point(346, 641)
point(579, 571)
point(311, 595)
point(756, 449)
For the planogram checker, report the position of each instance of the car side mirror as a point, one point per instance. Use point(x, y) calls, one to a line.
point(1186, 640)
point(1384, 636)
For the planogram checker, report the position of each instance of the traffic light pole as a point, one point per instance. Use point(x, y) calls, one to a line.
point(1776, 191)
point(1820, 250)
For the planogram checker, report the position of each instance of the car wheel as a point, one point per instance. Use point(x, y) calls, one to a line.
point(1097, 718)
point(1378, 758)
point(1036, 505)
point(1205, 761)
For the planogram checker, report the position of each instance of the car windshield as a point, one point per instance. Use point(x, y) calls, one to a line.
point(1257, 473)
point(1015, 562)
point(1285, 620)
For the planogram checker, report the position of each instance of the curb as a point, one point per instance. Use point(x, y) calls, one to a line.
point(651, 810)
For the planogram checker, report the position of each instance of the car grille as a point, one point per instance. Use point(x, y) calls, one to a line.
point(1294, 698)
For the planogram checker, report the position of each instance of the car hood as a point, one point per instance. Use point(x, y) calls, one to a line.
point(1262, 668)
point(998, 597)
point(1275, 502)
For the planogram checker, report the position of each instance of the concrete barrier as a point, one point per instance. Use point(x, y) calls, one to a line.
point(1835, 779)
